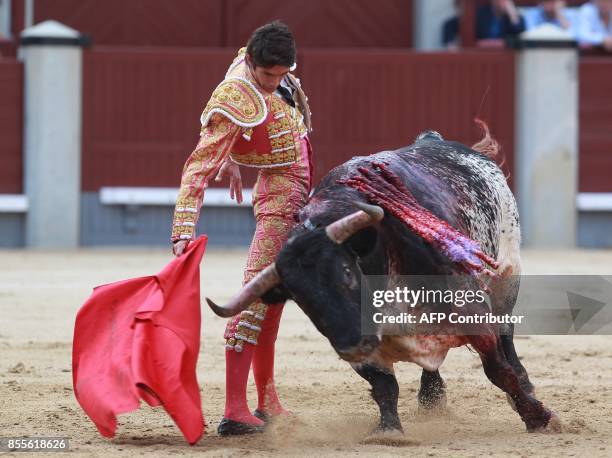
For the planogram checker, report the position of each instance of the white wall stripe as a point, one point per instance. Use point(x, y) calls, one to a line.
point(594, 201)
point(219, 197)
point(213, 197)
point(13, 203)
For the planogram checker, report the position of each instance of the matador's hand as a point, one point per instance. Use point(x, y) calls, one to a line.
point(179, 247)
point(231, 170)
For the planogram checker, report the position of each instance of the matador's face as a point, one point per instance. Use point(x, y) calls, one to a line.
point(268, 78)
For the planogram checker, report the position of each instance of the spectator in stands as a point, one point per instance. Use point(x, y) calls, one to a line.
point(495, 20)
point(595, 24)
point(450, 28)
point(550, 12)
point(498, 19)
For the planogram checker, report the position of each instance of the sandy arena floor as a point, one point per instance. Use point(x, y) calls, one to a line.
point(40, 293)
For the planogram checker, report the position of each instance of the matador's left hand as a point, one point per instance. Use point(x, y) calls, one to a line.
point(232, 170)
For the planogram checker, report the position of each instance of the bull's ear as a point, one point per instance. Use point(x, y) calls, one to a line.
point(364, 241)
point(276, 295)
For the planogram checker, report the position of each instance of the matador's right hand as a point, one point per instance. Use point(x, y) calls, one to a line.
point(179, 246)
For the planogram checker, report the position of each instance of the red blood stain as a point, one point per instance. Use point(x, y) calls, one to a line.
point(383, 187)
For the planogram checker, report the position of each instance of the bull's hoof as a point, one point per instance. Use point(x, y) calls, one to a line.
point(513, 404)
point(392, 437)
point(554, 426)
point(229, 427)
point(432, 405)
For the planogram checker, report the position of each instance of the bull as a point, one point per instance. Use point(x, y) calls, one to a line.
point(436, 207)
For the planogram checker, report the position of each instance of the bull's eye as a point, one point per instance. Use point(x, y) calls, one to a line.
point(348, 277)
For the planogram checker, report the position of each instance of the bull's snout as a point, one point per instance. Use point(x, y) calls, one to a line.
point(363, 349)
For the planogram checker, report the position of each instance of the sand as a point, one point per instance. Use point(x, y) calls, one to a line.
point(40, 293)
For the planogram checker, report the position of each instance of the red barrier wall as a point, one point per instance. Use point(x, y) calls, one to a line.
point(219, 23)
point(325, 23)
point(595, 165)
point(364, 102)
point(11, 126)
point(213, 23)
point(134, 22)
point(141, 111)
point(141, 108)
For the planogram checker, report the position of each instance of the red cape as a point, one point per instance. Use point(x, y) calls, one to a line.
point(139, 339)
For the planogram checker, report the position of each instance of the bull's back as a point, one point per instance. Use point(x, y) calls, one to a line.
point(455, 183)
point(465, 188)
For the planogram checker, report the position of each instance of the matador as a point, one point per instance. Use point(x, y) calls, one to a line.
point(257, 117)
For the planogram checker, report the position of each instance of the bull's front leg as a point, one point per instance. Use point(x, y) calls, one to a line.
point(385, 392)
point(497, 368)
point(432, 393)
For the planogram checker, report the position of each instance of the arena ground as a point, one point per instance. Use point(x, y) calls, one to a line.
point(40, 293)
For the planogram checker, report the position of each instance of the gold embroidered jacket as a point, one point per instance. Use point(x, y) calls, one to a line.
point(239, 121)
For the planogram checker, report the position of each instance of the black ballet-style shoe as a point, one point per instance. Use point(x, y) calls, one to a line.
point(229, 427)
point(261, 415)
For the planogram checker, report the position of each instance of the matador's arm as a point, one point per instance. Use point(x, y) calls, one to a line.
point(216, 141)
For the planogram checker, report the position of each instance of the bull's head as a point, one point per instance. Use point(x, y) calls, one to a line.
point(319, 269)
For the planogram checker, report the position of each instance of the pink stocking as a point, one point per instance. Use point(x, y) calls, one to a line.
point(237, 367)
point(263, 363)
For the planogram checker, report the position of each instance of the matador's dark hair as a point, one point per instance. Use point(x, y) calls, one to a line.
point(272, 44)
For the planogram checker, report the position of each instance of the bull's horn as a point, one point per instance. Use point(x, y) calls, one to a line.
point(376, 212)
point(266, 279)
point(339, 231)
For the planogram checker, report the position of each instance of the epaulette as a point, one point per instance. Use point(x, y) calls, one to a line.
point(238, 100)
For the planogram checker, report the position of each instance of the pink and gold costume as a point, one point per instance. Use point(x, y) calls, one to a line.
point(256, 130)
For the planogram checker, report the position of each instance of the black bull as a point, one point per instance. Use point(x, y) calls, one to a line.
point(321, 265)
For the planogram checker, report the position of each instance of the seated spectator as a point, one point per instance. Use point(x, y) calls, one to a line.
point(498, 19)
point(450, 28)
point(595, 24)
point(495, 20)
point(549, 12)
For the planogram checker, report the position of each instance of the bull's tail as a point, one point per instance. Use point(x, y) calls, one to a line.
point(487, 145)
